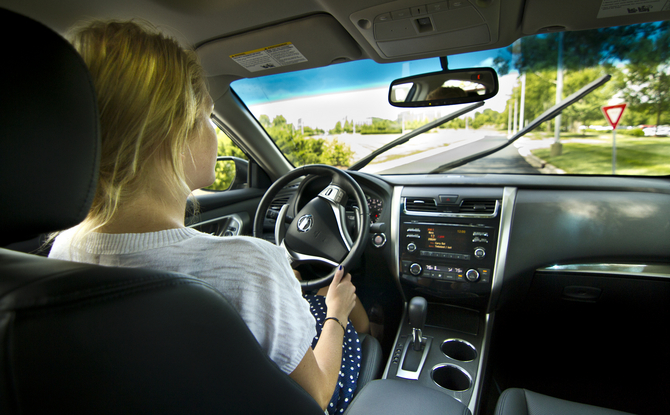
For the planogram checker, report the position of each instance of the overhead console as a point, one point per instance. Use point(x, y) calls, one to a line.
point(408, 27)
point(448, 242)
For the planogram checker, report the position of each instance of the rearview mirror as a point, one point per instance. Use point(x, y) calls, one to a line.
point(450, 87)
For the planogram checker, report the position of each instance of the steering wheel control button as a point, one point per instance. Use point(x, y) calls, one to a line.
point(379, 240)
point(480, 252)
point(415, 269)
point(305, 223)
point(472, 275)
point(333, 193)
point(411, 247)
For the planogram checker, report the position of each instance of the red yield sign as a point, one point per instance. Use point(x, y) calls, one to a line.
point(613, 114)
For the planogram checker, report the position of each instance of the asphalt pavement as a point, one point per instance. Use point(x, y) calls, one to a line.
point(507, 160)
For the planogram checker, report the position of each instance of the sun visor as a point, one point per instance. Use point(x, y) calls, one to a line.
point(290, 46)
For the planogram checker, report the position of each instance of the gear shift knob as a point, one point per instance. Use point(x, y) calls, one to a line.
point(418, 308)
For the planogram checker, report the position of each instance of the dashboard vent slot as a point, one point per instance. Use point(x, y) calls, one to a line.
point(478, 206)
point(278, 202)
point(417, 204)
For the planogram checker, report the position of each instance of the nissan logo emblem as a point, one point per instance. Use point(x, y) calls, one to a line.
point(305, 223)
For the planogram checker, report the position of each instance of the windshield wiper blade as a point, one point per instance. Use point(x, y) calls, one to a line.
point(405, 138)
point(545, 116)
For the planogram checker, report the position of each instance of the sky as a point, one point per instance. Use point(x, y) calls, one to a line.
point(360, 105)
point(321, 97)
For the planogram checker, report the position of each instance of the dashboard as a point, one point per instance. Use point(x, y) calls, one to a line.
point(503, 228)
point(578, 259)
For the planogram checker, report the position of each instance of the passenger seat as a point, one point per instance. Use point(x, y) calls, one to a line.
point(524, 402)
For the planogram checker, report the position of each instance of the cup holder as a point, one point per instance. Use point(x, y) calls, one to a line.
point(459, 350)
point(451, 377)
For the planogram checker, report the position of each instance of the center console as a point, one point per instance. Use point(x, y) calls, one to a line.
point(447, 246)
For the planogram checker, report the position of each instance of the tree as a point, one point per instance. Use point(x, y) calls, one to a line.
point(381, 126)
point(587, 110)
point(300, 149)
point(541, 95)
point(337, 129)
point(589, 54)
point(279, 121)
point(265, 121)
point(309, 131)
point(487, 117)
point(337, 154)
point(348, 126)
point(646, 78)
point(581, 49)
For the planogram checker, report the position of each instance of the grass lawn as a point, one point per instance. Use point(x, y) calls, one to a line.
point(647, 156)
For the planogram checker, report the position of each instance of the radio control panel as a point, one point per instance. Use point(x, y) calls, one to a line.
point(448, 255)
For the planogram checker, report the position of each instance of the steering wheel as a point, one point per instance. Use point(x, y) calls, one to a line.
point(318, 233)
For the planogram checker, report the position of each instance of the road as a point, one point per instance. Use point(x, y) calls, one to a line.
point(425, 153)
point(507, 160)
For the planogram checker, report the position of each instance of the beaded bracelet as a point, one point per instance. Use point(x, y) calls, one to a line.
point(338, 322)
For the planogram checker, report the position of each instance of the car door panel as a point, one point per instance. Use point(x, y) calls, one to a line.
point(226, 213)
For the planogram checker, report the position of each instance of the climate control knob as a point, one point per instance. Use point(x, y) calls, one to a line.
point(411, 247)
point(472, 275)
point(415, 269)
point(480, 252)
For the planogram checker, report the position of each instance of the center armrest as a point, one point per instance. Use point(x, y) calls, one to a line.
point(388, 396)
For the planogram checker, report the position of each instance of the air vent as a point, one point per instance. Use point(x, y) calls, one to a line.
point(420, 205)
point(478, 206)
point(278, 202)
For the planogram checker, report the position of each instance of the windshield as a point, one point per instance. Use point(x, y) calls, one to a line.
point(339, 114)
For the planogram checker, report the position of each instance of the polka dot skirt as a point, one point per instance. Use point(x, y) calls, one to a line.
point(351, 357)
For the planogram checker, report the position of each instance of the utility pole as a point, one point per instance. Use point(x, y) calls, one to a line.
point(557, 147)
point(509, 118)
point(516, 50)
point(515, 118)
point(522, 122)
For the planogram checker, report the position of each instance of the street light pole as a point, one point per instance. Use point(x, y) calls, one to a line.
point(557, 147)
point(509, 118)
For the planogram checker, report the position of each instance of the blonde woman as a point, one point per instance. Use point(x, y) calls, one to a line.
point(158, 145)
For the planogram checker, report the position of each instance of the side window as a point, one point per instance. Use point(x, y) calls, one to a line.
point(231, 168)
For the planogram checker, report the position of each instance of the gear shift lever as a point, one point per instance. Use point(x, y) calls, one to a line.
point(418, 308)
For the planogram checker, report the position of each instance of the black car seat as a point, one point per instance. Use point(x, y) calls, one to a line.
point(78, 338)
point(515, 401)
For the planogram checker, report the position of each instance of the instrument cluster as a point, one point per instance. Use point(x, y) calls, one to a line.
point(375, 206)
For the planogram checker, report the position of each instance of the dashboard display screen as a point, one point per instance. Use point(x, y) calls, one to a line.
point(446, 238)
point(444, 268)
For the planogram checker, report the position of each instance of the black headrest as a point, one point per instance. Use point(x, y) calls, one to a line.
point(49, 131)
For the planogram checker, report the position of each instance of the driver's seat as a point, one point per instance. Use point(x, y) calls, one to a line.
point(78, 338)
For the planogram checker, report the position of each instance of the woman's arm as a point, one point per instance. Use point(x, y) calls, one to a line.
point(319, 369)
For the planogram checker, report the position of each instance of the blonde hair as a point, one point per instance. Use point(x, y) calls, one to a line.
point(150, 91)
